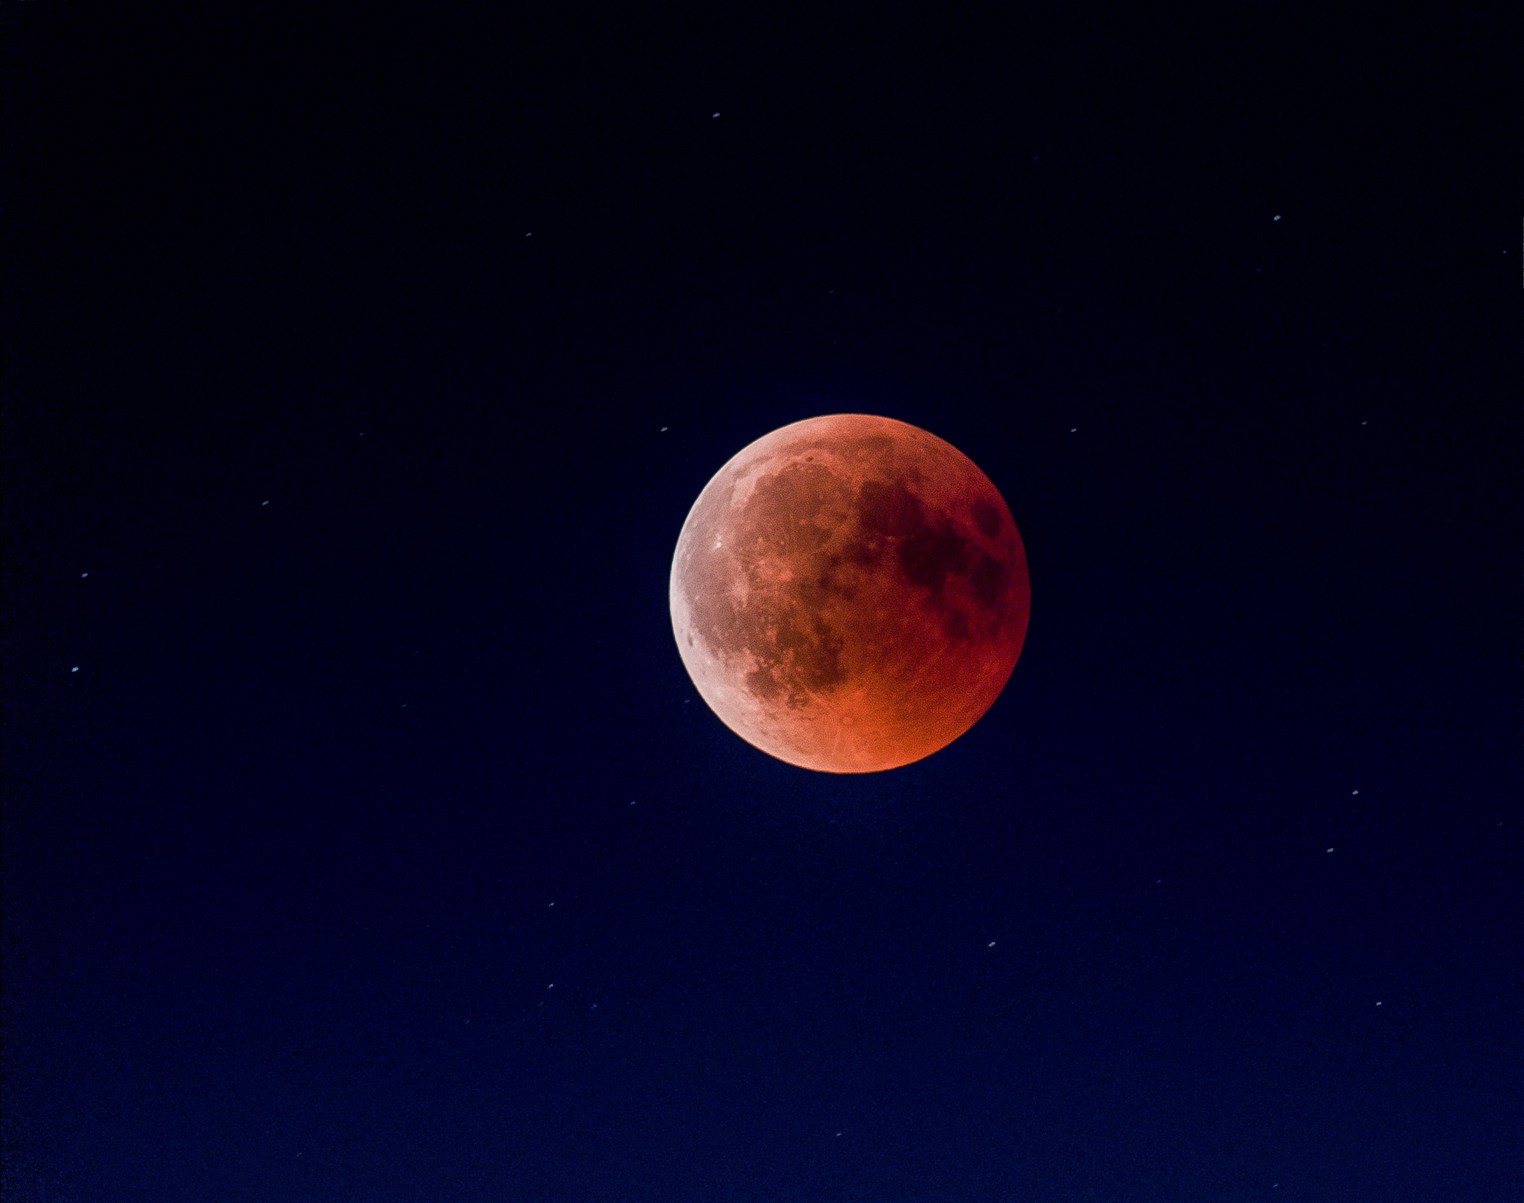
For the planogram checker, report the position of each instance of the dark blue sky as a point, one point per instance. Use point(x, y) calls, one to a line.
point(364, 838)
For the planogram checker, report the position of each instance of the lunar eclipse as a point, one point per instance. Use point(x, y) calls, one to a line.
point(849, 593)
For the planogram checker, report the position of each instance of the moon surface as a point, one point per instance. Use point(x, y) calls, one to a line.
point(850, 593)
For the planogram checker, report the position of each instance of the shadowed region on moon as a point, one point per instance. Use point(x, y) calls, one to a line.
point(849, 593)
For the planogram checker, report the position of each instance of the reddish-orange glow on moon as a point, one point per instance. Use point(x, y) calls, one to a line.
point(849, 593)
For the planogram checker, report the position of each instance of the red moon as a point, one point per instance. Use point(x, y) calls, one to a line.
point(850, 593)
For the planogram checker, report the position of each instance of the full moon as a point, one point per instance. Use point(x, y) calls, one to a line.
point(849, 593)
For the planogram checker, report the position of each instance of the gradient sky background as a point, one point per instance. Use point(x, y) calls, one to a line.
point(364, 838)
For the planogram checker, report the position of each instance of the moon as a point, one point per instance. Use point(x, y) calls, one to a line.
point(849, 593)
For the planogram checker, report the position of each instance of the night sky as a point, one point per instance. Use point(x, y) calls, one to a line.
point(364, 838)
